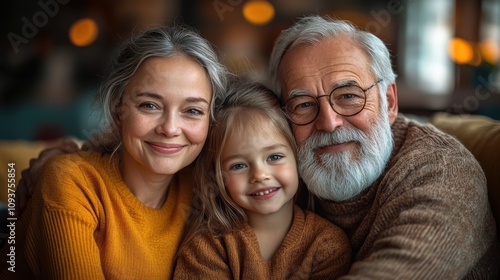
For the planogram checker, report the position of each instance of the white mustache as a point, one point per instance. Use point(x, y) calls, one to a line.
point(338, 136)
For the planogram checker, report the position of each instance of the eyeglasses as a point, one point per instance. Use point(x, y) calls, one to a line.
point(346, 101)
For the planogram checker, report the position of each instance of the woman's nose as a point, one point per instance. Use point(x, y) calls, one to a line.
point(169, 125)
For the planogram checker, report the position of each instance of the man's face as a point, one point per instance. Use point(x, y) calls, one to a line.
point(317, 70)
point(338, 156)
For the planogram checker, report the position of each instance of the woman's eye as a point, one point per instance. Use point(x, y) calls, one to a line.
point(148, 106)
point(194, 111)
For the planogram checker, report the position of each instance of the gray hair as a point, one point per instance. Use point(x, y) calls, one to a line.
point(312, 29)
point(157, 42)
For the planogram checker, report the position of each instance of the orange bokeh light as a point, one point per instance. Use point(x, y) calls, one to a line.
point(490, 51)
point(83, 32)
point(461, 51)
point(258, 12)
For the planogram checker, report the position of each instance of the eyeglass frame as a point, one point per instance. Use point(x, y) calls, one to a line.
point(316, 98)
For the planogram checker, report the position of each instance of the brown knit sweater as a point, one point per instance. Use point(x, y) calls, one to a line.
point(312, 249)
point(426, 217)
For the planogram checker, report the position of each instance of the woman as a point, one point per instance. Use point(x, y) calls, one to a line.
point(120, 212)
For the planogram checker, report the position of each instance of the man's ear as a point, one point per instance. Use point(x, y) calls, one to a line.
point(392, 102)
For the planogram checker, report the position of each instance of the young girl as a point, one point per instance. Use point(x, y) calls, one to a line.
point(246, 225)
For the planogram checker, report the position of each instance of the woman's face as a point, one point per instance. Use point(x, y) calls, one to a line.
point(164, 115)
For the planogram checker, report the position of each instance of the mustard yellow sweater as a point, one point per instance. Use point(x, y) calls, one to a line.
point(84, 223)
point(312, 249)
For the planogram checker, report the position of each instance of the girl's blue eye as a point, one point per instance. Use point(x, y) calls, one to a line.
point(237, 166)
point(275, 157)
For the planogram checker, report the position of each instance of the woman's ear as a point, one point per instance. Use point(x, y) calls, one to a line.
point(392, 102)
point(118, 116)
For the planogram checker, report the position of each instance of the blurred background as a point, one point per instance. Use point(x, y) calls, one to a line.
point(55, 52)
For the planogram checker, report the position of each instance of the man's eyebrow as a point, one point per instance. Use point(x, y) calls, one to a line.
point(300, 91)
point(345, 83)
point(297, 92)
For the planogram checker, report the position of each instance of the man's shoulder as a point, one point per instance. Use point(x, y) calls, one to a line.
point(417, 139)
point(425, 155)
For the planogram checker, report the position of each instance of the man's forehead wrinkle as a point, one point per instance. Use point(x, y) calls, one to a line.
point(323, 71)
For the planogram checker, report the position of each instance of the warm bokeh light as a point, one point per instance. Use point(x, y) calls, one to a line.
point(489, 51)
point(461, 51)
point(83, 32)
point(258, 12)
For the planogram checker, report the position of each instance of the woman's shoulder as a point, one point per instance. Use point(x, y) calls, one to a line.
point(81, 157)
point(80, 167)
point(70, 179)
point(82, 161)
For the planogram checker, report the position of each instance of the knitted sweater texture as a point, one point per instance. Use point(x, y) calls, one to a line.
point(83, 222)
point(312, 249)
point(426, 217)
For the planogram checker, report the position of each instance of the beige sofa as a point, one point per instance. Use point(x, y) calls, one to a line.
point(480, 135)
point(19, 154)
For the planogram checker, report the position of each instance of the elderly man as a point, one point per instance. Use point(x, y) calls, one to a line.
point(412, 199)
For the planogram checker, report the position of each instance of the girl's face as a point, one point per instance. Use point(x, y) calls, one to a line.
point(164, 115)
point(259, 169)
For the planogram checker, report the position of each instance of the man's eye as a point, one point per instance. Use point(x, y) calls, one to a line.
point(305, 105)
point(347, 96)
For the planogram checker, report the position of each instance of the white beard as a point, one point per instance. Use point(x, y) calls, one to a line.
point(343, 175)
